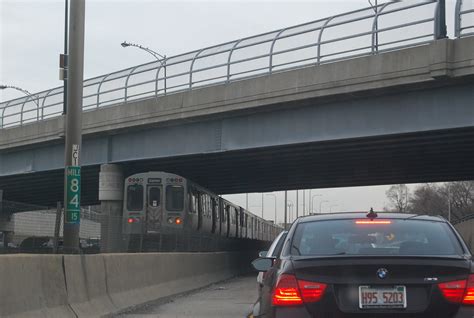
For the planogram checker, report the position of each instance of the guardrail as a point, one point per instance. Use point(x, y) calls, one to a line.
point(464, 20)
point(372, 30)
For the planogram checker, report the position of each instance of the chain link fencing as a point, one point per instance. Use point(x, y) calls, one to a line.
point(26, 228)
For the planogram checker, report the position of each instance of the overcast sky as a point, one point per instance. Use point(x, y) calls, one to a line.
point(32, 35)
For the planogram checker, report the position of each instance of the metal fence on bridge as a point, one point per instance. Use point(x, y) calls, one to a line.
point(372, 30)
point(27, 228)
point(464, 20)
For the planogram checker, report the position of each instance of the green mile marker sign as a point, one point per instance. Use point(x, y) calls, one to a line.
point(73, 198)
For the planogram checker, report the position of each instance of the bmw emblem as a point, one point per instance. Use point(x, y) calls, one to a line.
point(382, 273)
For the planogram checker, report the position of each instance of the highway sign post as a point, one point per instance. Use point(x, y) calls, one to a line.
point(73, 127)
point(73, 195)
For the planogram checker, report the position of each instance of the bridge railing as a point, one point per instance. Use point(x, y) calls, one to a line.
point(368, 31)
point(464, 18)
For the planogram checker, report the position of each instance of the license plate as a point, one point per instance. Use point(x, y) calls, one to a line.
point(382, 297)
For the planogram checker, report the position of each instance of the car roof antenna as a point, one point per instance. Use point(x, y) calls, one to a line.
point(372, 214)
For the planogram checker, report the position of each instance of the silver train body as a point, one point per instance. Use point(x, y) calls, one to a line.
point(160, 202)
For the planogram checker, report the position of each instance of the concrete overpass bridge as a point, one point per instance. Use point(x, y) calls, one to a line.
point(357, 109)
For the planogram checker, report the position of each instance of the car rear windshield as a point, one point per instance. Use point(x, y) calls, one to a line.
point(380, 237)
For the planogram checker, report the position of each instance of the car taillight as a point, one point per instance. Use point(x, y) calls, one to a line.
point(292, 292)
point(373, 222)
point(453, 291)
point(286, 292)
point(311, 291)
point(469, 294)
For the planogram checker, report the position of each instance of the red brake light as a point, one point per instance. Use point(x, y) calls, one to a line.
point(453, 291)
point(311, 291)
point(131, 220)
point(469, 294)
point(286, 292)
point(292, 292)
point(178, 220)
point(373, 222)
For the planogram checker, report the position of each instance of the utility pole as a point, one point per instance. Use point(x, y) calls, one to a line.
point(262, 206)
point(304, 191)
point(297, 205)
point(247, 201)
point(440, 20)
point(72, 177)
point(66, 15)
point(449, 202)
point(310, 203)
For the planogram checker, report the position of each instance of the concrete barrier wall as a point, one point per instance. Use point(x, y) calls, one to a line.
point(466, 229)
point(97, 285)
point(33, 286)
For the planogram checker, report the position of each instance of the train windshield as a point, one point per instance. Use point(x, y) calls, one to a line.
point(135, 197)
point(174, 198)
point(154, 197)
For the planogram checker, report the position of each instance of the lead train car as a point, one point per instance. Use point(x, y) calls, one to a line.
point(160, 202)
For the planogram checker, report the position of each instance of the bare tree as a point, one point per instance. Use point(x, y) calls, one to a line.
point(399, 197)
point(438, 199)
point(461, 197)
point(428, 199)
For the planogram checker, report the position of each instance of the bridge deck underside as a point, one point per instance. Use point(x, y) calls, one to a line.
point(444, 155)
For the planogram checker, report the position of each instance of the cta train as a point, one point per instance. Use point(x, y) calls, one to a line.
point(160, 202)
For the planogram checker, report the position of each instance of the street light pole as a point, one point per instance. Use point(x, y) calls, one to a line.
point(304, 202)
point(290, 207)
point(310, 208)
point(274, 197)
point(449, 202)
point(376, 24)
point(160, 58)
point(24, 91)
point(297, 204)
point(72, 178)
point(320, 205)
point(262, 206)
point(66, 15)
point(312, 199)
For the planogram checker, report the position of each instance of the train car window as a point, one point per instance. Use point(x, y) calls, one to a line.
point(135, 197)
point(193, 203)
point(174, 198)
point(154, 197)
point(190, 200)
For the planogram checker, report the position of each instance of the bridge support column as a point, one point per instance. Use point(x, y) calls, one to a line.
point(111, 198)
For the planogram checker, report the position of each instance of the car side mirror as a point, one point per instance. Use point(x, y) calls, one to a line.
point(262, 264)
point(262, 253)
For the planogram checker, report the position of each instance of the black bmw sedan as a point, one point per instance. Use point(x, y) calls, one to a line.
point(369, 265)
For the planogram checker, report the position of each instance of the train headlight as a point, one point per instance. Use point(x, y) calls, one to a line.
point(170, 220)
point(131, 220)
point(178, 220)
